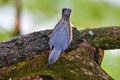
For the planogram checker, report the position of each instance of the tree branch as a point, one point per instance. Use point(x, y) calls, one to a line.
point(78, 60)
point(105, 38)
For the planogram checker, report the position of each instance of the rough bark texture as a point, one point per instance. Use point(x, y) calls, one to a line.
point(74, 64)
point(104, 38)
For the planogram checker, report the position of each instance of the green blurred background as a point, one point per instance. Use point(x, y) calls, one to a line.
point(25, 16)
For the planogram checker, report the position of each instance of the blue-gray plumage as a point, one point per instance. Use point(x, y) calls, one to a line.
point(61, 37)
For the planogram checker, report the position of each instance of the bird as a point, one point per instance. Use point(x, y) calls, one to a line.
point(61, 36)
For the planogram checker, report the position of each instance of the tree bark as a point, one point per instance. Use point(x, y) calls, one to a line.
point(105, 38)
point(77, 62)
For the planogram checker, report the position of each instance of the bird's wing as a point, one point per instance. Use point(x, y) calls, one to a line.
point(61, 35)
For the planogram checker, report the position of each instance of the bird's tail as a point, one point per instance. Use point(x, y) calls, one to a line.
point(54, 55)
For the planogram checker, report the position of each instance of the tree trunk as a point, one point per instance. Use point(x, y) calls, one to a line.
point(18, 6)
point(28, 54)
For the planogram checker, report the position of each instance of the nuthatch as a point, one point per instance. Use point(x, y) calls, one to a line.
point(61, 37)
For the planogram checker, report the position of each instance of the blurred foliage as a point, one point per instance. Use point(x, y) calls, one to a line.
point(90, 13)
point(46, 6)
point(112, 64)
point(4, 36)
point(86, 14)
